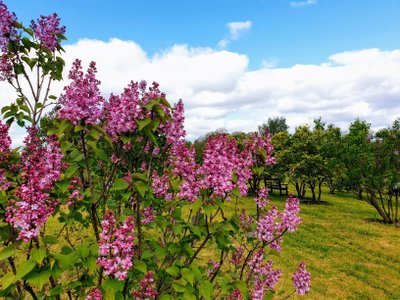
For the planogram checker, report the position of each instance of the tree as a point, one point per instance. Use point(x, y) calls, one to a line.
point(357, 152)
point(381, 174)
point(273, 126)
point(332, 151)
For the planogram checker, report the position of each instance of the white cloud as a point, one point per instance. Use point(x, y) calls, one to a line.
point(236, 30)
point(219, 91)
point(303, 3)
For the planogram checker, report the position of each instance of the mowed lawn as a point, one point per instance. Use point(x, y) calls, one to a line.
point(349, 253)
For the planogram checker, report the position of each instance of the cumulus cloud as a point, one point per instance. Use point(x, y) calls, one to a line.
point(303, 3)
point(219, 91)
point(236, 30)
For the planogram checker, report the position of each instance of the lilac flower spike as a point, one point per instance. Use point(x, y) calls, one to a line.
point(302, 279)
point(47, 30)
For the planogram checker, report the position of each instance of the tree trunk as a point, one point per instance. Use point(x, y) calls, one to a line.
point(320, 191)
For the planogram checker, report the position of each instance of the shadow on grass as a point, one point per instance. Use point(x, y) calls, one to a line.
point(310, 202)
point(380, 221)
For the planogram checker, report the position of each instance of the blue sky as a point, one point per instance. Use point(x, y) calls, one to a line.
point(280, 32)
point(236, 63)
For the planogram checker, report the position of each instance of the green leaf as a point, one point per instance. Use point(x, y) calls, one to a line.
point(269, 295)
point(166, 297)
point(151, 136)
point(7, 252)
point(91, 263)
point(140, 176)
point(195, 206)
point(38, 255)
point(67, 260)
point(147, 254)
point(49, 239)
point(7, 280)
point(179, 286)
point(188, 295)
point(65, 145)
point(188, 275)
point(5, 108)
point(57, 290)
point(24, 269)
point(151, 103)
point(76, 155)
point(206, 289)
point(174, 248)
point(29, 31)
point(142, 123)
point(140, 266)
point(18, 69)
point(83, 251)
point(100, 153)
point(71, 170)
point(141, 187)
point(161, 253)
point(120, 184)
point(173, 271)
point(38, 279)
point(177, 213)
point(113, 284)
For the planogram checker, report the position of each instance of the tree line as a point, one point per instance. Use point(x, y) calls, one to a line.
point(357, 160)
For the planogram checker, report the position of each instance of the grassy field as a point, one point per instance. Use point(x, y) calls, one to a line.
point(349, 253)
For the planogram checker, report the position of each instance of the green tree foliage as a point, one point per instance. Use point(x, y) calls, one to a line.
point(357, 152)
point(332, 151)
point(273, 126)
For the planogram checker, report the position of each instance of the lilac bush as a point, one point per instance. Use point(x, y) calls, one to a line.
point(105, 199)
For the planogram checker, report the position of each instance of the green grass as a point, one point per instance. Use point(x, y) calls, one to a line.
point(349, 253)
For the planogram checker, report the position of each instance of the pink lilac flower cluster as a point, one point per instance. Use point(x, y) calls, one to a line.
point(5, 143)
point(116, 246)
point(245, 220)
point(148, 215)
point(41, 169)
point(264, 277)
point(213, 266)
point(270, 230)
point(262, 198)
point(5, 140)
point(236, 295)
point(95, 294)
point(174, 130)
point(7, 28)
point(161, 186)
point(122, 111)
point(243, 171)
point(7, 32)
point(257, 144)
point(146, 290)
point(74, 188)
point(81, 102)
point(237, 256)
point(183, 164)
point(220, 161)
point(301, 279)
point(47, 31)
point(289, 216)
point(181, 158)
